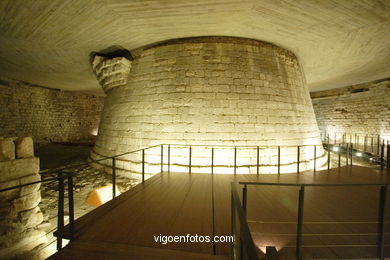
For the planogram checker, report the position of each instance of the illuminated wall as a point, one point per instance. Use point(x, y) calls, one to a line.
point(361, 111)
point(211, 91)
point(48, 115)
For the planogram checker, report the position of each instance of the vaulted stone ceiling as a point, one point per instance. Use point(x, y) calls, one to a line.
point(48, 42)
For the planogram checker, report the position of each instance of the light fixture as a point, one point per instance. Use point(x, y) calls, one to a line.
point(359, 154)
point(94, 132)
point(335, 149)
point(101, 195)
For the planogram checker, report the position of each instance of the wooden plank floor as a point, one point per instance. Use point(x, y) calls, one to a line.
point(180, 204)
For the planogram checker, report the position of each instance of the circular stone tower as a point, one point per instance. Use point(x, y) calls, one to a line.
point(220, 92)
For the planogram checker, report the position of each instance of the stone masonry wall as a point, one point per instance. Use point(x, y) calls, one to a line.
point(210, 91)
point(362, 109)
point(47, 115)
point(19, 211)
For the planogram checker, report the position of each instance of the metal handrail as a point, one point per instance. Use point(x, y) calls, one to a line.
point(298, 252)
point(312, 184)
point(98, 160)
point(68, 176)
point(28, 184)
point(370, 143)
point(246, 240)
point(243, 146)
point(63, 175)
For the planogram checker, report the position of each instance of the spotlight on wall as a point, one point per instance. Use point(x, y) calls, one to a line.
point(359, 154)
point(335, 149)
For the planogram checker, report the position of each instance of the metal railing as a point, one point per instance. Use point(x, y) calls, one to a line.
point(300, 210)
point(64, 176)
point(377, 148)
point(243, 246)
point(363, 142)
point(298, 161)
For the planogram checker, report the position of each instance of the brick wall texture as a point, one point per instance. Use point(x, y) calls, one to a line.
point(211, 91)
point(47, 115)
point(362, 109)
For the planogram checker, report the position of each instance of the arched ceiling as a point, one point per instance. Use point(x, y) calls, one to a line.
point(48, 42)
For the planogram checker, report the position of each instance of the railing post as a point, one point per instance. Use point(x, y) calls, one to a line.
point(301, 202)
point(339, 155)
point(335, 137)
point(271, 253)
point(381, 222)
point(378, 145)
point(358, 143)
point(372, 144)
point(328, 157)
point(244, 197)
point(162, 158)
point(71, 205)
point(113, 177)
point(382, 155)
point(258, 160)
point(388, 155)
point(355, 140)
point(298, 159)
point(278, 159)
point(235, 160)
point(143, 165)
point(169, 158)
point(365, 143)
point(60, 215)
point(315, 157)
point(233, 227)
point(190, 160)
point(351, 153)
point(212, 160)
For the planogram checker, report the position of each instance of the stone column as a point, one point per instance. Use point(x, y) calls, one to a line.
point(19, 211)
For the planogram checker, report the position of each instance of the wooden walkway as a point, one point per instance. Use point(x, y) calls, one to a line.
point(338, 221)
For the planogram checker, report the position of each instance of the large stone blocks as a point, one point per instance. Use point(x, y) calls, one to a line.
point(19, 210)
point(27, 202)
point(362, 109)
point(47, 114)
point(7, 149)
point(18, 168)
point(111, 73)
point(210, 91)
point(24, 147)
